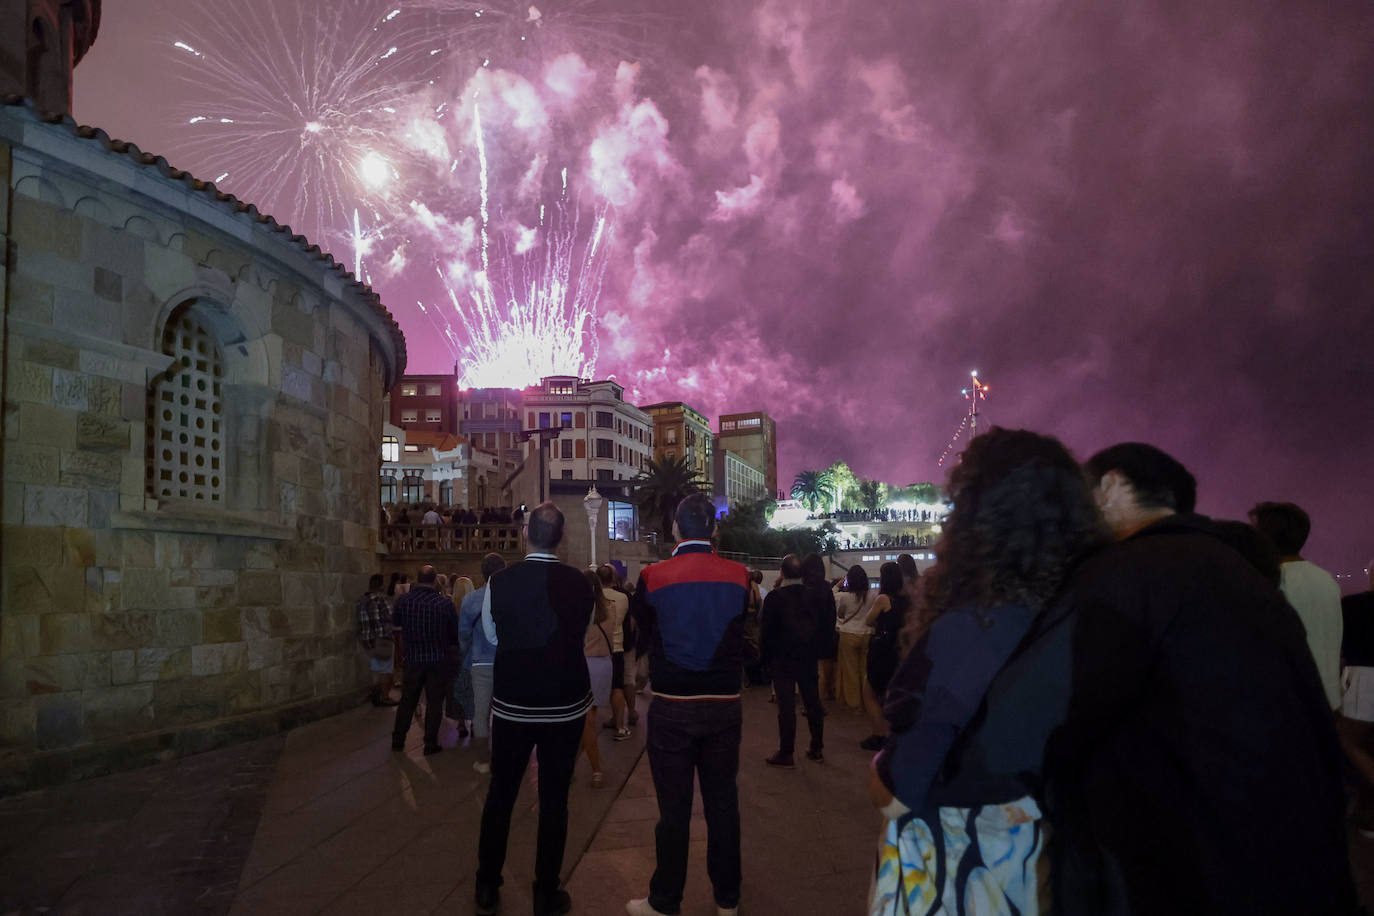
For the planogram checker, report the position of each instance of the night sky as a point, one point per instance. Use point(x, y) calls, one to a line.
point(1147, 221)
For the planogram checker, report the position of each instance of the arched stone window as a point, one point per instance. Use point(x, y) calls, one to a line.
point(185, 422)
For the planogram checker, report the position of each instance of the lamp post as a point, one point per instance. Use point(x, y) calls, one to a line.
point(593, 502)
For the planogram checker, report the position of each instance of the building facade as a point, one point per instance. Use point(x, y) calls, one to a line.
point(193, 399)
point(754, 438)
point(737, 481)
point(426, 402)
point(681, 432)
point(601, 437)
point(440, 468)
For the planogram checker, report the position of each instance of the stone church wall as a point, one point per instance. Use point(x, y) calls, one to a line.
point(144, 617)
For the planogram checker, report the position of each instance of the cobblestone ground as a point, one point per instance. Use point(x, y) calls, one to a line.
point(329, 820)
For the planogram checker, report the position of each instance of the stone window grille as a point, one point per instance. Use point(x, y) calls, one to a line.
point(186, 416)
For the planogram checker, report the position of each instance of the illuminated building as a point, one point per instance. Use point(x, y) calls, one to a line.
point(681, 432)
point(754, 438)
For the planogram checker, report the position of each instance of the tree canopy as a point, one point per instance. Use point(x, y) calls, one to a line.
point(662, 485)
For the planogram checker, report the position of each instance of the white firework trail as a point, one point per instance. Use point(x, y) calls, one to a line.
point(534, 314)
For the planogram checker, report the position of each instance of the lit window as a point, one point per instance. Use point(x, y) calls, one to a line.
point(544, 421)
point(412, 448)
point(409, 390)
point(565, 420)
point(185, 449)
point(670, 436)
point(391, 448)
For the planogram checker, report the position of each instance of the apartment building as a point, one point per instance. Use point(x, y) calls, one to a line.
point(601, 436)
point(682, 432)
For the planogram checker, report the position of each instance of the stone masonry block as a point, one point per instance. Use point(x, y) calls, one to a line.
point(45, 227)
point(27, 381)
point(123, 630)
point(105, 397)
point(30, 298)
point(221, 626)
point(18, 722)
point(144, 589)
point(29, 589)
point(25, 463)
point(78, 550)
point(64, 634)
point(96, 432)
point(264, 653)
point(58, 720)
point(70, 389)
point(109, 285)
point(122, 667)
point(163, 664)
point(260, 587)
point(31, 546)
point(18, 638)
point(43, 424)
point(178, 628)
point(115, 711)
point(90, 469)
point(80, 309)
point(51, 353)
point(54, 506)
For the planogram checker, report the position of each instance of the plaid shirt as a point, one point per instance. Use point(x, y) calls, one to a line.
point(428, 622)
point(374, 617)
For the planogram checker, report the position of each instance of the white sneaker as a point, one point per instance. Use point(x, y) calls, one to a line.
point(727, 911)
point(481, 767)
point(641, 907)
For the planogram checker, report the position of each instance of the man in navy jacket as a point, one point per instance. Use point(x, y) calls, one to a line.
point(690, 610)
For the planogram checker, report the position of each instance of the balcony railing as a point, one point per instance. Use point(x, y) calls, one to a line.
point(480, 538)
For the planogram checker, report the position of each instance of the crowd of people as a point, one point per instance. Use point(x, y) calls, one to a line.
point(1095, 702)
point(877, 515)
point(431, 526)
point(880, 541)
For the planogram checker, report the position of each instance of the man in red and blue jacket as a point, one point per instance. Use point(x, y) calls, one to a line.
point(690, 610)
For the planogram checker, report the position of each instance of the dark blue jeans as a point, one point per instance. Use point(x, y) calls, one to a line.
point(695, 739)
point(801, 677)
point(511, 743)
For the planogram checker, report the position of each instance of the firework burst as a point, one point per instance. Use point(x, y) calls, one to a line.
point(295, 107)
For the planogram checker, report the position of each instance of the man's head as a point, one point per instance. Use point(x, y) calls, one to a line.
point(374, 584)
point(695, 519)
point(428, 576)
point(791, 567)
point(1135, 484)
point(1285, 524)
point(545, 527)
point(492, 563)
point(606, 573)
point(756, 576)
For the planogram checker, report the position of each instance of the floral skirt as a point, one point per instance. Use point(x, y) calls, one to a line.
point(970, 862)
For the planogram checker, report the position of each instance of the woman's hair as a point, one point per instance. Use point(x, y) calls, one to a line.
point(603, 607)
point(462, 587)
point(391, 586)
point(907, 564)
point(813, 569)
point(890, 580)
point(1023, 516)
point(856, 582)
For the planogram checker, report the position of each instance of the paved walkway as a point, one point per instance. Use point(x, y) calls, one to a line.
point(329, 820)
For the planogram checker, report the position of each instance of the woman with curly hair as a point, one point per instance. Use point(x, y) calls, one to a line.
point(983, 681)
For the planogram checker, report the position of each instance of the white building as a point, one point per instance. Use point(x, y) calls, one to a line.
point(601, 436)
point(419, 466)
point(737, 481)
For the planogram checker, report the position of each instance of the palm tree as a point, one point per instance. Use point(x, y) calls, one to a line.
point(662, 485)
point(872, 494)
point(812, 489)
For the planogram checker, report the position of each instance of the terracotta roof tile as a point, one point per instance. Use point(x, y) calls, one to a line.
point(228, 201)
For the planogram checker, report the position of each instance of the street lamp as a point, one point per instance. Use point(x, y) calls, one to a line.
point(593, 502)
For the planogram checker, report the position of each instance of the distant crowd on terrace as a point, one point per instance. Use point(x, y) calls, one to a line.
point(430, 526)
point(877, 515)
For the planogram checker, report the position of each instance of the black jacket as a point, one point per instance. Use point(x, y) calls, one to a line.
point(1197, 770)
point(788, 633)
